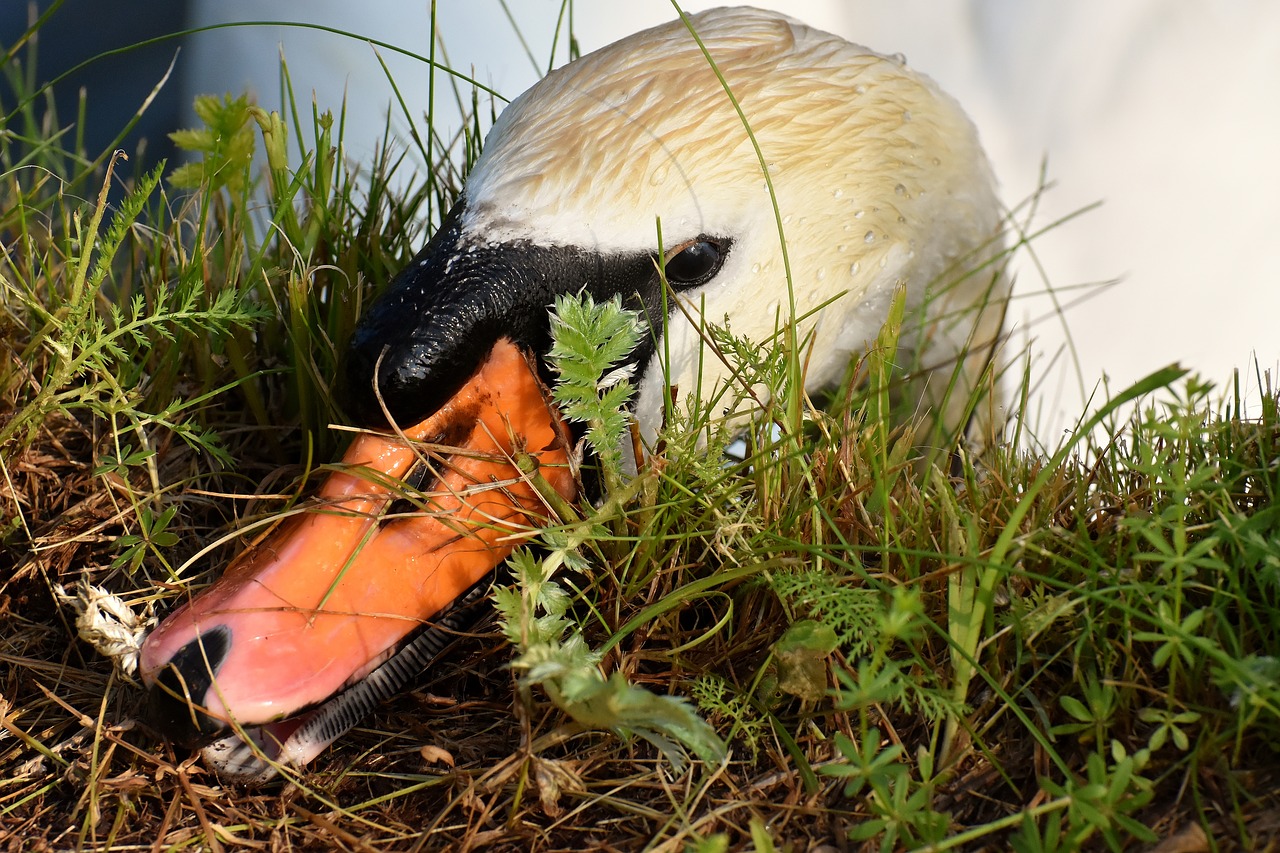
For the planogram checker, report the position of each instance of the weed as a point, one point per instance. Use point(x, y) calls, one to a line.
point(1044, 649)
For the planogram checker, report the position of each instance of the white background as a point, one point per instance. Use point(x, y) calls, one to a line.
point(1167, 111)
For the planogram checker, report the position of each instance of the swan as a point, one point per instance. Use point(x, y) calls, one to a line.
point(880, 184)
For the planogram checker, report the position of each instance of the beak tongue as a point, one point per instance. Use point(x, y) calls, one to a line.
point(323, 601)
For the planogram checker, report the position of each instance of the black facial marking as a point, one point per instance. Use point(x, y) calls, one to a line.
point(444, 312)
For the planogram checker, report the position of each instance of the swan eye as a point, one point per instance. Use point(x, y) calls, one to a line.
point(694, 263)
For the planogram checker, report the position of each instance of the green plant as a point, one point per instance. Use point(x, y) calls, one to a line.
point(1043, 648)
point(589, 339)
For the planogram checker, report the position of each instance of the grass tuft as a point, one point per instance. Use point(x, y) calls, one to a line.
point(1043, 649)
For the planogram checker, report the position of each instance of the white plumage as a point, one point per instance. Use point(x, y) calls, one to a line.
point(879, 178)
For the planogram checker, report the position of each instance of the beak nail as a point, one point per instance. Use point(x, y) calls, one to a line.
point(175, 702)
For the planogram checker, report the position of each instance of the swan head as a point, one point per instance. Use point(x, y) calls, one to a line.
point(868, 174)
point(784, 172)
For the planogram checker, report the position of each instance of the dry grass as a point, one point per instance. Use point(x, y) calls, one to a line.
point(465, 761)
point(1097, 703)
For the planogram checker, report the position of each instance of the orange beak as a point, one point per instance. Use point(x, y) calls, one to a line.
point(334, 593)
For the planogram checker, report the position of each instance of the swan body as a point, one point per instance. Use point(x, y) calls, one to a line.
point(870, 176)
